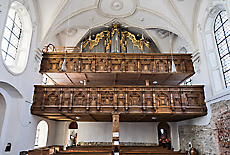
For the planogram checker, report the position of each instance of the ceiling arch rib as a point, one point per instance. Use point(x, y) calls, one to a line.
point(183, 15)
point(49, 11)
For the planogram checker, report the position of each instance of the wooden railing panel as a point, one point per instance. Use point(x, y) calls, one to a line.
point(116, 63)
point(122, 99)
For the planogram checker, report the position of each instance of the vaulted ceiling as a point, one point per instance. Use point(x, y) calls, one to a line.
point(65, 22)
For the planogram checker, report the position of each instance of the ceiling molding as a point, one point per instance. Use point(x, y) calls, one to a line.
point(38, 14)
point(184, 28)
point(161, 33)
point(161, 16)
point(115, 6)
point(56, 13)
point(54, 27)
point(195, 23)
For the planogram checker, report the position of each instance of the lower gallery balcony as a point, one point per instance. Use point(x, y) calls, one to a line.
point(132, 103)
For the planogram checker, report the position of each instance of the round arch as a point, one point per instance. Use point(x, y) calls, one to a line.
point(41, 134)
point(164, 135)
point(211, 52)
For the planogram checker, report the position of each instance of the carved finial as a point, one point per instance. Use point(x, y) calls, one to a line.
point(115, 25)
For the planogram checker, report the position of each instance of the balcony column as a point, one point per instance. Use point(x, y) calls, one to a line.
point(147, 82)
point(115, 134)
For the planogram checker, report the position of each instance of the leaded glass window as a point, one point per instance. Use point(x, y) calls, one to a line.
point(222, 32)
point(11, 37)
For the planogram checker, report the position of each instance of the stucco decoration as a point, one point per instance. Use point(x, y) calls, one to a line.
point(183, 50)
point(70, 32)
point(116, 8)
point(213, 11)
point(161, 34)
point(116, 5)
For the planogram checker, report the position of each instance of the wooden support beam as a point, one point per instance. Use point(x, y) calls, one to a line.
point(141, 118)
point(115, 134)
point(92, 117)
point(68, 117)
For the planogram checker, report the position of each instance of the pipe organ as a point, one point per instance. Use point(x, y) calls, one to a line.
point(116, 40)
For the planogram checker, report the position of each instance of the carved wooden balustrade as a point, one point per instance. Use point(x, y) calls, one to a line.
point(115, 63)
point(122, 99)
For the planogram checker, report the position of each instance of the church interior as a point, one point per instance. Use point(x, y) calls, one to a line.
point(110, 77)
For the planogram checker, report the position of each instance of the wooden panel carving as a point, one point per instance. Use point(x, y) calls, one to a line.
point(116, 62)
point(122, 99)
point(79, 99)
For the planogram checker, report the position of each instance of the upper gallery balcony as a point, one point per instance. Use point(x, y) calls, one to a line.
point(133, 103)
point(114, 68)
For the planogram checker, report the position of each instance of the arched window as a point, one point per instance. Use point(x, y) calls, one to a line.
point(16, 38)
point(41, 134)
point(222, 37)
point(11, 37)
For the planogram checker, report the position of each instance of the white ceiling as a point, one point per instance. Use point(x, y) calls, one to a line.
point(176, 16)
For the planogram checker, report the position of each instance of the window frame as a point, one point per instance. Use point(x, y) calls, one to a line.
point(18, 66)
point(218, 42)
point(8, 39)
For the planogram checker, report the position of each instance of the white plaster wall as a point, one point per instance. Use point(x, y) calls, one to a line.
point(60, 133)
point(2, 112)
point(174, 136)
point(129, 132)
point(16, 127)
point(208, 75)
point(19, 127)
point(138, 132)
point(94, 132)
point(11, 125)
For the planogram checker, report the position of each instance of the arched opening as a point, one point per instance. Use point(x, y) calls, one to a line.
point(41, 134)
point(2, 111)
point(164, 136)
point(73, 128)
point(221, 32)
point(16, 39)
point(211, 51)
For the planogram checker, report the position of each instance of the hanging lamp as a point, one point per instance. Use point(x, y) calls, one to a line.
point(63, 67)
point(173, 69)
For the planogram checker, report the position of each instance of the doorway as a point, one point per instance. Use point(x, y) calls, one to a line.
point(73, 128)
point(164, 136)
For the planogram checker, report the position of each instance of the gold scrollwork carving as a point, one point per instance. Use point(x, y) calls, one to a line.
point(123, 42)
point(115, 29)
point(85, 43)
point(107, 42)
point(135, 42)
point(123, 35)
point(95, 42)
point(146, 43)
